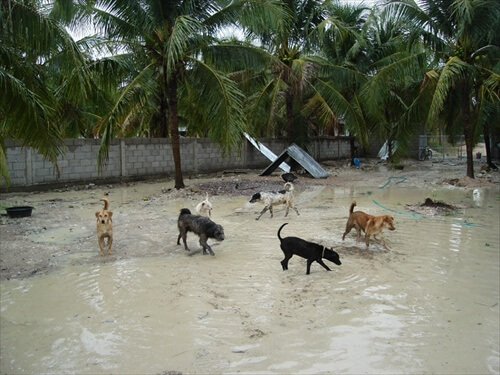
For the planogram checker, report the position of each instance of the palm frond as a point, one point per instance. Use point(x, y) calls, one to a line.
point(257, 17)
point(221, 103)
point(178, 44)
point(451, 75)
point(231, 57)
point(4, 168)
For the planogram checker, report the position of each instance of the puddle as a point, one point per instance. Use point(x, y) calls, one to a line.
point(428, 305)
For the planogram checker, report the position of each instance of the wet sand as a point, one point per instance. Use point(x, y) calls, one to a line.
point(429, 304)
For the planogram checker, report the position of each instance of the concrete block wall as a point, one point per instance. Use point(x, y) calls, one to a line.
point(330, 149)
point(134, 158)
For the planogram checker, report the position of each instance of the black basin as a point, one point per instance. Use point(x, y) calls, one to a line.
point(19, 211)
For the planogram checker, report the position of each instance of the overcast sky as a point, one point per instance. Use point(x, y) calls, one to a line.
point(78, 34)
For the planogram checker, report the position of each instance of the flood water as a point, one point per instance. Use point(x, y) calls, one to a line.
point(430, 304)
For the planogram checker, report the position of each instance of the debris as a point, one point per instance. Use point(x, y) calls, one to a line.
point(288, 177)
point(302, 158)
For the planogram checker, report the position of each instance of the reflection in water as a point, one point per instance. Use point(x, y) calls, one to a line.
point(429, 305)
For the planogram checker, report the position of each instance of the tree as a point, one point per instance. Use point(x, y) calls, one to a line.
point(277, 93)
point(390, 97)
point(42, 72)
point(171, 62)
point(463, 35)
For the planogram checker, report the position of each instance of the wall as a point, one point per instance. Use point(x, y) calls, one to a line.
point(135, 158)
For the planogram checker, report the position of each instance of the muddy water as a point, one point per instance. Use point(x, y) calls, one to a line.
point(428, 305)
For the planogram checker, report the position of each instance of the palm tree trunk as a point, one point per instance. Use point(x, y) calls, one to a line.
point(289, 116)
point(468, 130)
point(352, 148)
point(163, 118)
point(173, 121)
point(487, 143)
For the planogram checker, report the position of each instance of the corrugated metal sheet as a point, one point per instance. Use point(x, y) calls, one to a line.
point(305, 160)
point(266, 152)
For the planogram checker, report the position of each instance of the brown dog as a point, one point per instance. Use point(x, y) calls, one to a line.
point(369, 224)
point(104, 226)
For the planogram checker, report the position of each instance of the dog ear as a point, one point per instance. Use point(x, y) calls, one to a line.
point(97, 214)
point(110, 214)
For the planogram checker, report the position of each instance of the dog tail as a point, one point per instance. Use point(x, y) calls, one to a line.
point(106, 203)
point(353, 204)
point(279, 231)
point(289, 186)
point(206, 197)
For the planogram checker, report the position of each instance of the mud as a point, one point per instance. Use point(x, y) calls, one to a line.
point(429, 304)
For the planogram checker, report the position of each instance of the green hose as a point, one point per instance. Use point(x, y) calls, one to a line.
point(401, 179)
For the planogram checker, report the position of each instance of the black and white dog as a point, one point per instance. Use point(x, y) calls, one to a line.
point(274, 198)
point(199, 225)
point(305, 249)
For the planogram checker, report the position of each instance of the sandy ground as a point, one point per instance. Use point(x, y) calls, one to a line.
point(63, 221)
point(428, 305)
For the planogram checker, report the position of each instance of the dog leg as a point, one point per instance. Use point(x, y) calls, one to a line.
point(271, 211)
point(297, 211)
point(358, 232)
point(262, 212)
point(284, 262)
point(183, 235)
point(323, 264)
point(209, 250)
point(100, 240)
point(348, 229)
point(110, 243)
point(379, 237)
point(309, 262)
point(367, 239)
point(184, 240)
point(204, 244)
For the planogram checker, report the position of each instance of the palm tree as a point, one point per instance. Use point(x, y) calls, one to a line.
point(336, 101)
point(390, 98)
point(42, 72)
point(372, 80)
point(171, 63)
point(463, 34)
point(277, 93)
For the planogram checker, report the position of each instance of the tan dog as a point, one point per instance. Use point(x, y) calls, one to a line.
point(369, 224)
point(104, 226)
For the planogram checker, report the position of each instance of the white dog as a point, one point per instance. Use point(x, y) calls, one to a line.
point(274, 198)
point(204, 208)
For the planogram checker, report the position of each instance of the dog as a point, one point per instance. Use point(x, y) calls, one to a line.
point(204, 208)
point(274, 198)
point(199, 225)
point(369, 224)
point(104, 227)
point(305, 249)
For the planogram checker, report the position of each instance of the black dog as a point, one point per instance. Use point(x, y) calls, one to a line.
point(200, 225)
point(309, 250)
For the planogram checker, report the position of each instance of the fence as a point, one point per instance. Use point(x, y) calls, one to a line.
point(438, 147)
point(135, 158)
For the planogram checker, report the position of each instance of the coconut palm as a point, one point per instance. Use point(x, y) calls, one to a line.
point(41, 72)
point(372, 80)
point(336, 101)
point(277, 94)
point(390, 98)
point(464, 36)
point(172, 69)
